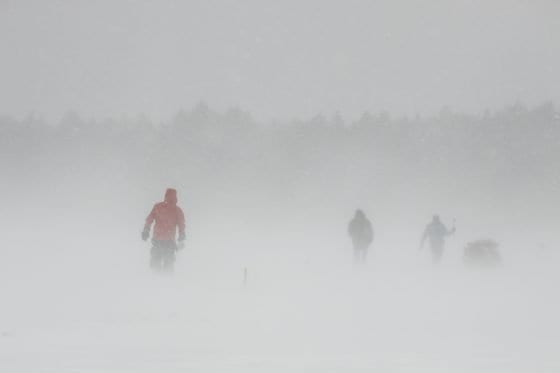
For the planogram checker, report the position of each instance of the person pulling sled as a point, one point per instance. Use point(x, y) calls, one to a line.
point(435, 233)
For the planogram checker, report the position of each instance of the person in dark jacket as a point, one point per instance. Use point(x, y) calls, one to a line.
point(435, 233)
point(168, 218)
point(361, 233)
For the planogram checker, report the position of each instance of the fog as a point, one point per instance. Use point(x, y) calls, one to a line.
point(279, 59)
point(78, 294)
point(274, 127)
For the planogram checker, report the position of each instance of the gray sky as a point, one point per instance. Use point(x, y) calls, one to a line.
point(277, 59)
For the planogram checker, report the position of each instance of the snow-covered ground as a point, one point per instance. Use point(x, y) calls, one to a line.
point(87, 302)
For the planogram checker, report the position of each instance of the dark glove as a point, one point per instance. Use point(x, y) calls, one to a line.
point(145, 235)
point(181, 237)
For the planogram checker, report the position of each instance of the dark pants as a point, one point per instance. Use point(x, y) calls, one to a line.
point(437, 252)
point(163, 255)
point(360, 250)
point(360, 255)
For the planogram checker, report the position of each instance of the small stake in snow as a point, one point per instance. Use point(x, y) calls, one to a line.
point(245, 276)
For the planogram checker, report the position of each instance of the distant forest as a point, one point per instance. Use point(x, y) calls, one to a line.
point(516, 148)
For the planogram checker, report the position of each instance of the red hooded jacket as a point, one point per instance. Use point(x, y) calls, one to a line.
point(168, 216)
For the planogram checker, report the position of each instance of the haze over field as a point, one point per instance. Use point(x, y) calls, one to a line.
point(277, 59)
point(405, 110)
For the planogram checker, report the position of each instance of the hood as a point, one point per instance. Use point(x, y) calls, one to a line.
point(171, 196)
point(359, 215)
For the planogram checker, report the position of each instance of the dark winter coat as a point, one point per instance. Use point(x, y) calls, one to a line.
point(361, 232)
point(436, 232)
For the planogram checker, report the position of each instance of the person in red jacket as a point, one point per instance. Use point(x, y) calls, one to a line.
point(168, 218)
